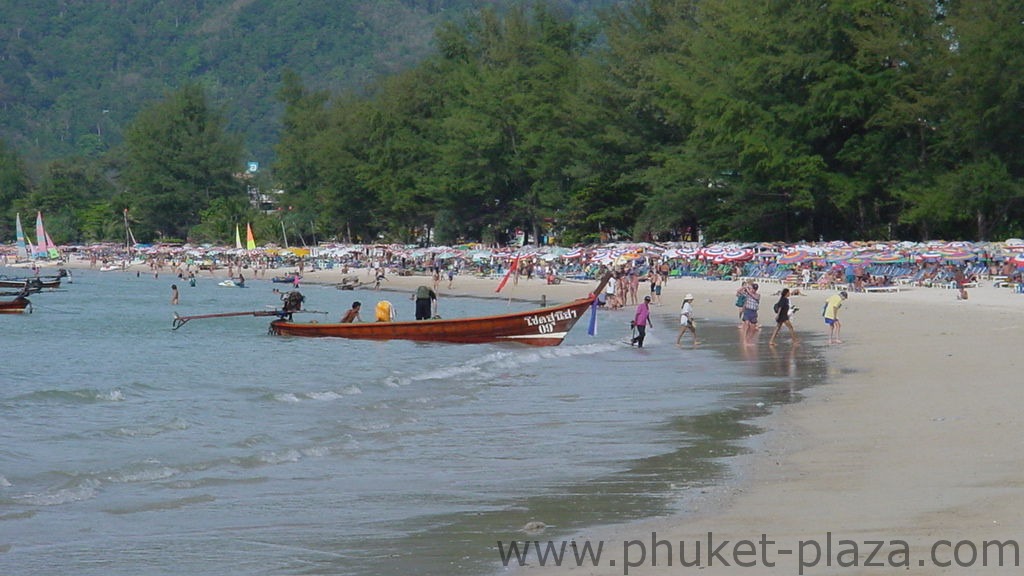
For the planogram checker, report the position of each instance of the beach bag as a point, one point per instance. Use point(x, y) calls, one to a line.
point(777, 307)
point(741, 300)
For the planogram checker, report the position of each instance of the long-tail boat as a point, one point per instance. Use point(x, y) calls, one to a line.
point(36, 282)
point(541, 327)
point(15, 306)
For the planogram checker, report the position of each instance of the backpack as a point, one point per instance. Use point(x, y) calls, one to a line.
point(777, 307)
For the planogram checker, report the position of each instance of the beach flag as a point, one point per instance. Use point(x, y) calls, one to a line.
point(512, 267)
point(592, 325)
point(238, 238)
point(250, 240)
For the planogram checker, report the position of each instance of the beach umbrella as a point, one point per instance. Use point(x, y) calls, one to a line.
point(887, 258)
point(712, 252)
point(794, 257)
point(737, 255)
point(839, 254)
point(957, 255)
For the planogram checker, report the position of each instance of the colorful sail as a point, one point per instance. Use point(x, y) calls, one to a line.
point(23, 253)
point(41, 249)
point(250, 240)
point(238, 238)
point(51, 248)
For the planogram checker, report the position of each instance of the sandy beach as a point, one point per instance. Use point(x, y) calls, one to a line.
point(916, 440)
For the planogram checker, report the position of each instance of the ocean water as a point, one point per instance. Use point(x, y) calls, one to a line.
point(128, 448)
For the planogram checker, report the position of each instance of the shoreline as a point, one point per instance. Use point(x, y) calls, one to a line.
point(915, 436)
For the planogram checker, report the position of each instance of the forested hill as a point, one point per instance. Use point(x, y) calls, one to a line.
point(73, 73)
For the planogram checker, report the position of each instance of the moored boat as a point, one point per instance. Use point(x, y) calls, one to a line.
point(32, 283)
point(15, 306)
point(541, 327)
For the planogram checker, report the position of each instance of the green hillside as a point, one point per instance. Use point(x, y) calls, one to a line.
point(73, 73)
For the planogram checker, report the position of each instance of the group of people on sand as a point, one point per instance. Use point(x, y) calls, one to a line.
point(624, 287)
point(748, 300)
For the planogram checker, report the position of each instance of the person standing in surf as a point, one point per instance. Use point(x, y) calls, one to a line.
point(641, 321)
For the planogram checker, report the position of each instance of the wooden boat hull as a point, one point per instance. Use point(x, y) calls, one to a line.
point(15, 306)
point(31, 282)
point(542, 327)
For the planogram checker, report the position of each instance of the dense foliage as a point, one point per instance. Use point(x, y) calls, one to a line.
point(751, 121)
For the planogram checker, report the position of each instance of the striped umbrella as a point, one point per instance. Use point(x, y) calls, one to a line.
point(794, 257)
point(888, 258)
point(712, 252)
point(839, 254)
point(737, 255)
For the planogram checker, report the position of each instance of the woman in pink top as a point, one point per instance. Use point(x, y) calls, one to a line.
point(641, 321)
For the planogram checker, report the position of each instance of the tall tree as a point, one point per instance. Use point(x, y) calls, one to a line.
point(179, 159)
point(14, 185)
point(982, 141)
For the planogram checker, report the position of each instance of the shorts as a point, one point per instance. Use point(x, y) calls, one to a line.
point(685, 321)
point(830, 321)
point(657, 290)
point(750, 315)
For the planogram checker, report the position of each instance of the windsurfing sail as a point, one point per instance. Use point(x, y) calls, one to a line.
point(238, 238)
point(23, 253)
point(250, 240)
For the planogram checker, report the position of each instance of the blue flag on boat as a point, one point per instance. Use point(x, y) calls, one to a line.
point(592, 325)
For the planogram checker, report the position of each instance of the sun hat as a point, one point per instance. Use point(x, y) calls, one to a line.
point(687, 297)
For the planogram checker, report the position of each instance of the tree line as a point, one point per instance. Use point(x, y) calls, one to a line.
point(854, 119)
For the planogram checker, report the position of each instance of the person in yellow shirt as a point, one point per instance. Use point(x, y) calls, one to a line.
point(831, 314)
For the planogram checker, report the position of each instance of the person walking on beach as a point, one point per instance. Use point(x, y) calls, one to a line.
point(741, 299)
point(831, 314)
point(782, 317)
point(426, 303)
point(961, 284)
point(751, 303)
point(174, 294)
point(686, 323)
point(641, 321)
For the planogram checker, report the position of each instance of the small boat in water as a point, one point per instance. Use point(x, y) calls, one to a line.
point(15, 306)
point(541, 327)
point(34, 282)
